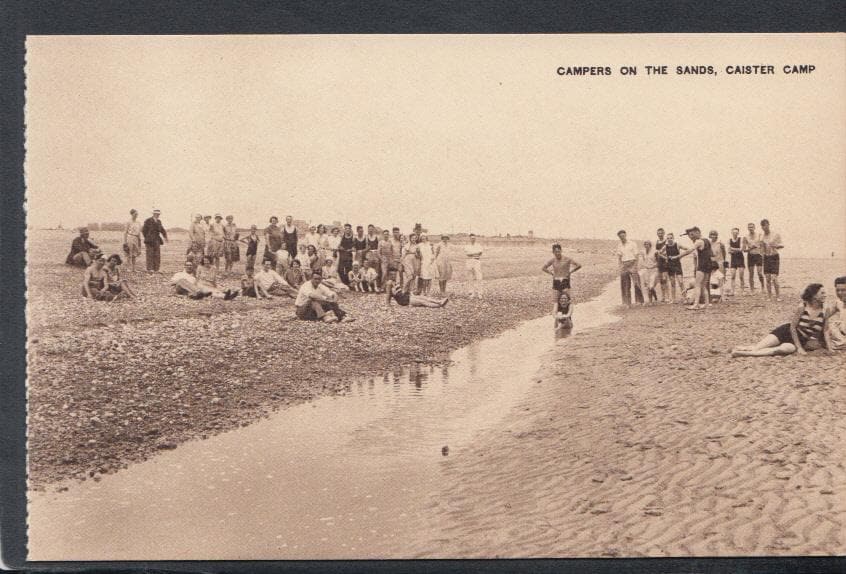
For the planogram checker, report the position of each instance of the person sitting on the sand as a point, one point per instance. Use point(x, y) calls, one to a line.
point(250, 287)
point(330, 276)
point(315, 301)
point(114, 282)
point(408, 298)
point(805, 332)
point(355, 278)
point(83, 251)
point(370, 283)
point(564, 311)
point(207, 274)
point(185, 283)
point(94, 285)
point(836, 333)
point(272, 283)
point(294, 275)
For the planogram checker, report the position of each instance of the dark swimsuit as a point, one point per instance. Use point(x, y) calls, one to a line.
point(674, 266)
point(737, 261)
point(806, 330)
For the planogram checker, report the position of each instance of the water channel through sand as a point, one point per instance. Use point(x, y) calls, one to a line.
point(352, 476)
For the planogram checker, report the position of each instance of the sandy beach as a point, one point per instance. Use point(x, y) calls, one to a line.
point(114, 383)
point(646, 439)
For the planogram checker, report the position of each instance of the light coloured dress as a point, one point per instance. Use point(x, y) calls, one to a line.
point(427, 260)
point(443, 266)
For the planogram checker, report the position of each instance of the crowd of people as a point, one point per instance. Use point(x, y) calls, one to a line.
point(655, 273)
point(310, 265)
point(316, 268)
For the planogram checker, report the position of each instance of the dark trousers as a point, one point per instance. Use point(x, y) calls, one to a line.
point(154, 256)
point(344, 267)
point(315, 310)
point(626, 286)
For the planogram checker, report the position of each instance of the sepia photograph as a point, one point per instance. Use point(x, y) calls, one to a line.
point(306, 297)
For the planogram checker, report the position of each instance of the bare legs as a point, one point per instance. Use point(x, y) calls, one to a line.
point(752, 271)
point(769, 346)
point(699, 282)
point(772, 285)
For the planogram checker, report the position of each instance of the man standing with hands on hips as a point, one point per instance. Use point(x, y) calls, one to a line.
point(153, 231)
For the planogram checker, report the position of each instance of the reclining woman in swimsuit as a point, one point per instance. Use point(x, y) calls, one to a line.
point(805, 332)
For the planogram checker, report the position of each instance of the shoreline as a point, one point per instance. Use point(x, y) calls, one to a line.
point(660, 445)
point(257, 362)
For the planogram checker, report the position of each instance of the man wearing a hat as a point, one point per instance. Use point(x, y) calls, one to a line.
point(153, 232)
point(82, 250)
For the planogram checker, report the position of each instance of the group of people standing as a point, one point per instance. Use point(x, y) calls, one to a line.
point(657, 267)
point(403, 267)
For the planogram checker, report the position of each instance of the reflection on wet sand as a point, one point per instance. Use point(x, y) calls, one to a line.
point(342, 477)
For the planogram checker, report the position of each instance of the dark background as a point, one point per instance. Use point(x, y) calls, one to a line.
point(19, 18)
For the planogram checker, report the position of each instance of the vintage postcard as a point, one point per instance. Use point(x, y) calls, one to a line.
point(435, 296)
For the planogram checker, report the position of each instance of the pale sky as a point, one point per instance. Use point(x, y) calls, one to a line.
point(456, 132)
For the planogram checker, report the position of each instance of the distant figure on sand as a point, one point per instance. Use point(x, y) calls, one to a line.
point(315, 300)
point(627, 255)
point(560, 267)
point(836, 334)
point(407, 298)
point(114, 282)
point(231, 251)
point(704, 262)
point(751, 244)
point(94, 284)
point(473, 251)
point(197, 239)
point(132, 238)
point(735, 250)
point(648, 271)
point(805, 332)
point(663, 275)
point(770, 244)
point(251, 241)
point(272, 283)
point(443, 266)
point(185, 283)
point(669, 254)
point(214, 249)
point(83, 250)
point(154, 236)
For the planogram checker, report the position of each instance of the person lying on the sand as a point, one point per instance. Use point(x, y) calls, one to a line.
point(185, 283)
point(114, 282)
point(272, 283)
point(83, 251)
point(408, 298)
point(315, 301)
point(805, 332)
point(564, 312)
point(836, 333)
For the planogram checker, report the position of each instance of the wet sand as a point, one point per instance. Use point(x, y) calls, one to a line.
point(111, 384)
point(646, 439)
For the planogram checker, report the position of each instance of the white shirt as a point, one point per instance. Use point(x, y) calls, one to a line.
point(265, 279)
point(311, 239)
point(370, 274)
point(333, 241)
point(627, 251)
point(308, 291)
point(473, 251)
point(177, 277)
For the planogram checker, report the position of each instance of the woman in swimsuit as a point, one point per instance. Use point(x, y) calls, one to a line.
point(114, 282)
point(805, 332)
point(406, 298)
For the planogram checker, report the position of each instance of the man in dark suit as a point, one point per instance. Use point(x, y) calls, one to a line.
point(82, 251)
point(153, 231)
